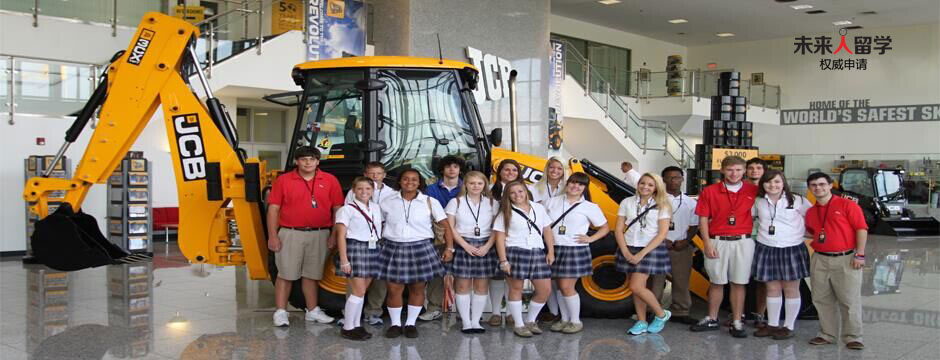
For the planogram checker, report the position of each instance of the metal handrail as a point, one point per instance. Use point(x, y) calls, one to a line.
point(11, 81)
point(211, 34)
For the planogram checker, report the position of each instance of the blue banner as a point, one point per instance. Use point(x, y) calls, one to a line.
point(335, 28)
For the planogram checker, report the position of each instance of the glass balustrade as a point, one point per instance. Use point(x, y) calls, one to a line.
point(47, 88)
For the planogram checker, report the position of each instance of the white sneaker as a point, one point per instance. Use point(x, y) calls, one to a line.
point(430, 315)
point(375, 320)
point(281, 318)
point(317, 315)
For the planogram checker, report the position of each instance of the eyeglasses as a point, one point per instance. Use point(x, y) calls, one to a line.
point(307, 159)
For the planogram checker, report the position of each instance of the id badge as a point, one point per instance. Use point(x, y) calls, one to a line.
point(822, 237)
point(313, 203)
point(772, 230)
point(373, 243)
point(731, 220)
point(672, 226)
point(561, 230)
point(476, 231)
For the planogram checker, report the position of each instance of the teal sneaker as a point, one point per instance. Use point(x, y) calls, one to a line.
point(659, 322)
point(638, 328)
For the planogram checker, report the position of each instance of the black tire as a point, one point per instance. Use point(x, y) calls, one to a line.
point(605, 277)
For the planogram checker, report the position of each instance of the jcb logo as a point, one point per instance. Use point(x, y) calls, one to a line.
point(190, 146)
point(140, 47)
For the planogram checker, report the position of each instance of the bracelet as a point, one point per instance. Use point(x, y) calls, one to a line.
point(451, 249)
point(503, 262)
point(346, 264)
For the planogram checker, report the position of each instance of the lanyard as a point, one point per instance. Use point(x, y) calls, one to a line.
point(378, 195)
point(313, 184)
point(407, 209)
point(823, 217)
point(565, 213)
point(529, 223)
point(476, 216)
point(737, 196)
point(674, 211)
point(368, 218)
point(548, 188)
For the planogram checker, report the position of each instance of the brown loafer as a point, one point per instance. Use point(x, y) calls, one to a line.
point(352, 335)
point(393, 332)
point(411, 331)
point(783, 333)
point(855, 345)
point(766, 331)
point(819, 341)
point(495, 320)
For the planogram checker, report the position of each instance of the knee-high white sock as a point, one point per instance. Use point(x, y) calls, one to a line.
point(553, 300)
point(497, 291)
point(413, 312)
point(792, 309)
point(477, 303)
point(773, 310)
point(562, 306)
point(463, 308)
point(573, 303)
point(534, 308)
point(395, 315)
point(349, 312)
point(515, 309)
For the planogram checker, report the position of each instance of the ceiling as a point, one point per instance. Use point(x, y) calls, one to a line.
point(747, 19)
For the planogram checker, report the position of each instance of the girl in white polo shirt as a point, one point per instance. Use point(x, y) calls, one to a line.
point(642, 225)
point(572, 215)
point(507, 171)
point(408, 257)
point(781, 259)
point(470, 216)
point(526, 252)
point(552, 183)
point(358, 227)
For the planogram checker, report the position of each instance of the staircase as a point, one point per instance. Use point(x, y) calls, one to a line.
point(648, 135)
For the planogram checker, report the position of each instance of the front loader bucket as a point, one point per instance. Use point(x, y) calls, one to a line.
point(69, 241)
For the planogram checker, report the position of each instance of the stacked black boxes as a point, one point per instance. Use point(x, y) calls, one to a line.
point(728, 128)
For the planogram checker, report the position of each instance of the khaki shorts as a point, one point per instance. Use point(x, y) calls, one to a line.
point(733, 262)
point(303, 254)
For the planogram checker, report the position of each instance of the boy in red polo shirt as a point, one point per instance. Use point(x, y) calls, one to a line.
point(839, 235)
point(301, 209)
point(725, 224)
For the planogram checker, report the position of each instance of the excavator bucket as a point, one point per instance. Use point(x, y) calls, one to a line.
point(67, 240)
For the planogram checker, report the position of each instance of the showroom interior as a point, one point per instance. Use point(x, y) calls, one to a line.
point(849, 89)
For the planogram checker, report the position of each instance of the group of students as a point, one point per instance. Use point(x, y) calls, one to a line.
point(491, 236)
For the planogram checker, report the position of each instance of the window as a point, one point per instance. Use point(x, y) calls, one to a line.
point(261, 125)
point(612, 62)
point(857, 181)
point(421, 117)
point(333, 113)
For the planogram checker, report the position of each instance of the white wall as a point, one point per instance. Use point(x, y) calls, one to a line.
point(906, 75)
point(60, 39)
point(643, 49)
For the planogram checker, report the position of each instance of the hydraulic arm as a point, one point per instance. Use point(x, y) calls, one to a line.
point(215, 183)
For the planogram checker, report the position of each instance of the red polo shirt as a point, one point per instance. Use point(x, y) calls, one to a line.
point(843, 217)
point(717, 204)
point(293, 194)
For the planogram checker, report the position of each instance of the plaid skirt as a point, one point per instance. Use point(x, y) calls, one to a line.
point(465, 266)
point(363, 260)
point(410, 262)
point(572, 262)
point(780, 264)
point(527, 263)
point(655, 263)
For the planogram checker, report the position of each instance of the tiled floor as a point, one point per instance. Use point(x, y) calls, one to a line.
point(169, 309)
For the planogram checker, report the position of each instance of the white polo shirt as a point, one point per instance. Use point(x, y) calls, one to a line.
point(542, 192)
point(683, 216)
point(788, 221)
point(377, 196)
point(357, 227)
point(408, 221)
point(577, 222)
point(639, 235)
point(521, 234)
point(470, 215)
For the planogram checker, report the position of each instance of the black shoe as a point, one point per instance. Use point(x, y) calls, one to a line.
point(467, 331)
point(738, 330)
point(393, 331)
point(411, 331)
point(361, 329)
point(478, 330)
point(683, 320)
point(352, 335)
point(705, 325)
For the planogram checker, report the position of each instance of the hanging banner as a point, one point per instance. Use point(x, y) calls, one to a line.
point(557, 64)
point(335, 28)
point(192, 14)
point(858, 111)
point(287, 15)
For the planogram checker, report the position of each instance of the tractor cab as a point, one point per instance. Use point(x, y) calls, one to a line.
point(881, 194)
point(401, 111)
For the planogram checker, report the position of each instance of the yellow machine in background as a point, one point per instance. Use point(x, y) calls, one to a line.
point(404, 112)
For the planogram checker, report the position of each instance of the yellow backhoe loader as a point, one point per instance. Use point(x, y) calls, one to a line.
point(405, 112)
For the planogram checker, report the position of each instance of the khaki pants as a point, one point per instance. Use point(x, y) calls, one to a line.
point(837, 292)
point(375, 297)
point(435, 288)
point(681, 262)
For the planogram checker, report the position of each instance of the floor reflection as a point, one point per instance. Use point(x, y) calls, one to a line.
point(169, 309)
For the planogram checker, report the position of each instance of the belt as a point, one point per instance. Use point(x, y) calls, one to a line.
point(733, 237)
point(306, 228)
point(834, 254)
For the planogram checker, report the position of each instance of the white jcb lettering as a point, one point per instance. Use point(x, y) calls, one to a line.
point(180, 129)
point(194, 168)
point(195, 141)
